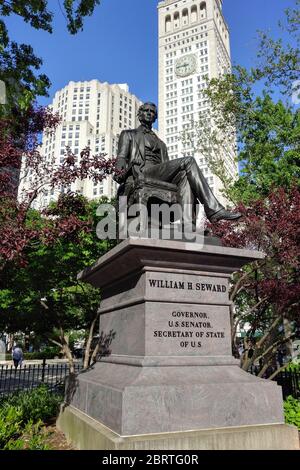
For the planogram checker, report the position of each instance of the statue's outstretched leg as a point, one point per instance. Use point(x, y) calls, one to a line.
point(191, 185)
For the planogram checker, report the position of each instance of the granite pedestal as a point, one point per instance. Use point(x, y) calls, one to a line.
point(166, 363)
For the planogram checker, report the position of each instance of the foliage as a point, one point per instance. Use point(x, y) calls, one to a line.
point(32, 438)
point(268, 135)
point(22, 416)
point(26, 236)
point(266, 292)
point(18, 64)
point(270, 152)
point(37, 14)
point(17, 70)
point(269, 142)
point(35, 405)
point(40, 355)
point(10, 424)
point(293, 367)
point(279, 62)
point(263, 131)
point(20, 228)
point(44, 296)
point(292, 411)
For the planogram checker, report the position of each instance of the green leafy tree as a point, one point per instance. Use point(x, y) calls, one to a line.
point(265, 295)
point(18, 63)
point(279, 61)
point(45, 296)
point(270, 150)
point(265, 133)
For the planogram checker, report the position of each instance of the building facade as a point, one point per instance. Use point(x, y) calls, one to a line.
point(93, 114)
point(193, 48)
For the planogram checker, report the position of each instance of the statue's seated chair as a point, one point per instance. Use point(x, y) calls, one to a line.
point(148, 191)
point(141, 191)
point(151, 191)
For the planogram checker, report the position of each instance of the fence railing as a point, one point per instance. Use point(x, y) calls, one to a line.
point(290, 382)
point(31, 376)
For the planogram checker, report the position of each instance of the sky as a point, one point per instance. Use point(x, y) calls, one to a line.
point(119, 43)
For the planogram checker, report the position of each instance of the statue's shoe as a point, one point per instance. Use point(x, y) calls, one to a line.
point(223, 214)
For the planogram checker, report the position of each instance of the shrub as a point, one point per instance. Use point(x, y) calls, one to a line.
point(292, 411)
point(10, 424)
point(40, 355)
point(37, 404)
point(22, 416)
point(32, 438)
point(32, 356)
point(293, 367)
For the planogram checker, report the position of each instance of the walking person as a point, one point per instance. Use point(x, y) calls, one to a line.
point(17, 355)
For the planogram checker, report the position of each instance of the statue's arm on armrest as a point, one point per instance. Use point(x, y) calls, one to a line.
point(122, 157)
point(164, 153)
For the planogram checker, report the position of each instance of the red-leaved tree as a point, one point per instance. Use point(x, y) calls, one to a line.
point(20, 157)
point(266, 293)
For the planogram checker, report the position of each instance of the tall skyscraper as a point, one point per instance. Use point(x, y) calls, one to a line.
point(193, 46)
point(93, 114)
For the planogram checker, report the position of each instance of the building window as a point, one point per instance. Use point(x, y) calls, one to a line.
point(185, 17)
point(168, 24)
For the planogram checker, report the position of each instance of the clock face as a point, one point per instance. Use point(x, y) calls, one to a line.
point(186, 65)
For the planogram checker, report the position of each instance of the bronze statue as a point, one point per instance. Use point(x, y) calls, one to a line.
point(142, 155)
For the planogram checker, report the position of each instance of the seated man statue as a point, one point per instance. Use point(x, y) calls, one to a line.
point(141, 155)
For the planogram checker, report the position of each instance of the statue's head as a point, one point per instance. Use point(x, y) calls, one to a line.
point(147, 113)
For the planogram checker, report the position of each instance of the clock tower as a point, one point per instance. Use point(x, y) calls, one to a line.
point(193, 46)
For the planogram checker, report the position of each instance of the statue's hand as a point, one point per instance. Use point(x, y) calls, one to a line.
point(120, 170)
point(140, 181)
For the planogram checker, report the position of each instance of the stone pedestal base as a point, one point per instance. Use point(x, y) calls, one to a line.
point(87, 434)
point(148, 399)
point(166, 367)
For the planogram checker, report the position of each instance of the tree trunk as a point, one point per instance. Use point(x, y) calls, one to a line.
point(288, 331)
point(87, 354)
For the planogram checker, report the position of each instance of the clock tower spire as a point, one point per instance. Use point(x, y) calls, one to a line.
point(193, 46)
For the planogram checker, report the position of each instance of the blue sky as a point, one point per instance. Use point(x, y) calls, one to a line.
point(119, 42)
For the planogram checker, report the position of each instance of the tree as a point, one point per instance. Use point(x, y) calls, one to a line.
point(45, 296)
point(279, 63)
point(37, 250)
point(18, 64)
point(270, 151)
point(17, 231)
point(265, 133)
point(22, 122)
point(268, 291)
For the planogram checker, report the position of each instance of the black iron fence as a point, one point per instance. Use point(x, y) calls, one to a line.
point(31, 376)
point(289, 380)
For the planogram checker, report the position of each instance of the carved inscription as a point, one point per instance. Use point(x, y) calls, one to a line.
point(189, 332)
point(176, 287)
point(198, 286)
point(194, 327)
